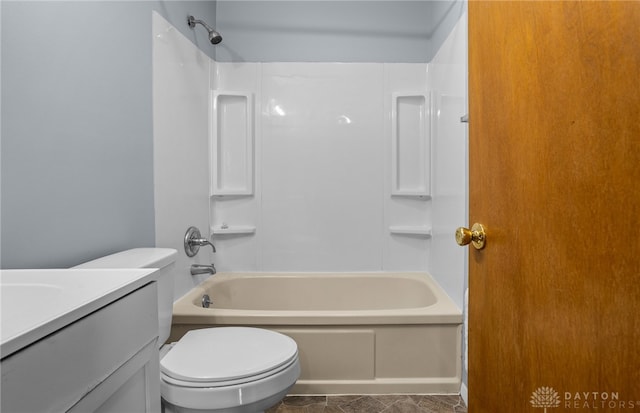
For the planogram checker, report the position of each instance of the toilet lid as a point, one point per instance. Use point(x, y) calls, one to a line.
point(227, 353)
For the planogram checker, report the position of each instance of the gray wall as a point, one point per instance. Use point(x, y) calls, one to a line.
point(334, 31)
point(77, 132)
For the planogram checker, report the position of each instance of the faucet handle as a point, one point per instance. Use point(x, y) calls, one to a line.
point(193, 241)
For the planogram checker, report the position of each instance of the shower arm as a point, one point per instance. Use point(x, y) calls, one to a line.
point(192, 21)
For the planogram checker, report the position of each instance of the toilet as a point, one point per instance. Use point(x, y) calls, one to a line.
point(210, 370)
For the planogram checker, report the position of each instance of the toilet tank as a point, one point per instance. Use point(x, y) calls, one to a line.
point(162, 258)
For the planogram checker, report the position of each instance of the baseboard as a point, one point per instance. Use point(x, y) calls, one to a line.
point(464, 393)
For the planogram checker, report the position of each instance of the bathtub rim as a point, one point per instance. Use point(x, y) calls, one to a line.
point(443, 311)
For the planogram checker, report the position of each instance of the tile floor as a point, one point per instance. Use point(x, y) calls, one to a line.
point(371, 404)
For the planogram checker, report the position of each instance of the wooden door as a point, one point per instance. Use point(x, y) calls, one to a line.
point(554, 148)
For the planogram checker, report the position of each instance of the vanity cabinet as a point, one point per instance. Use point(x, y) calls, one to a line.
point(105, 361)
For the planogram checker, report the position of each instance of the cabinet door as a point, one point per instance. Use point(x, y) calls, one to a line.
point(134, 387)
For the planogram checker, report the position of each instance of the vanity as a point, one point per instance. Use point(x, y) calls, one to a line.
point(79, 340)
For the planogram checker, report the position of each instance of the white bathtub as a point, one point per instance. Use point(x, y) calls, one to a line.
point(357, 333)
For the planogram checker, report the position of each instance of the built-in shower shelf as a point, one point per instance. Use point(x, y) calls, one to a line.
point(231, 143)
point(415, 196)
point(410, 144)
point(411, 230)
point(232, 229)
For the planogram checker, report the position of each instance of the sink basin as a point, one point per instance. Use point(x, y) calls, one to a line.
point(35, 303)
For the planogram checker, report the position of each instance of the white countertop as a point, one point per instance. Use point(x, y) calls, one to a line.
point(36, 303)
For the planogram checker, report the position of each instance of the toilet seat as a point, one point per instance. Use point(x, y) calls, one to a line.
point(224, 356)
point(186, 383)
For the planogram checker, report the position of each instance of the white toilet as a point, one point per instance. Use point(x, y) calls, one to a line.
point(224, 369)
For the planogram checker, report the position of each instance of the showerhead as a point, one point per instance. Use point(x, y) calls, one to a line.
point(214, 36)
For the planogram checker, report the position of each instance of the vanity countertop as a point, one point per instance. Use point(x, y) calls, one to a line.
point(36, 303)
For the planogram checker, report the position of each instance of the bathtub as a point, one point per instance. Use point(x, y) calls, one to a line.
point(357, 333)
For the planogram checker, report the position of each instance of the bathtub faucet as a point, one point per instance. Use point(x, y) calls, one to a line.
point(198, 269)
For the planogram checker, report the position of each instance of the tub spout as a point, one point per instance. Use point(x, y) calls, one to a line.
point(198, 269)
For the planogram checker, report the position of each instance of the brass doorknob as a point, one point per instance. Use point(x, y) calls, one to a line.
point(476, 236)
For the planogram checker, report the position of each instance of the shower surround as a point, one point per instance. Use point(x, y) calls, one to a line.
point(311, 166)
